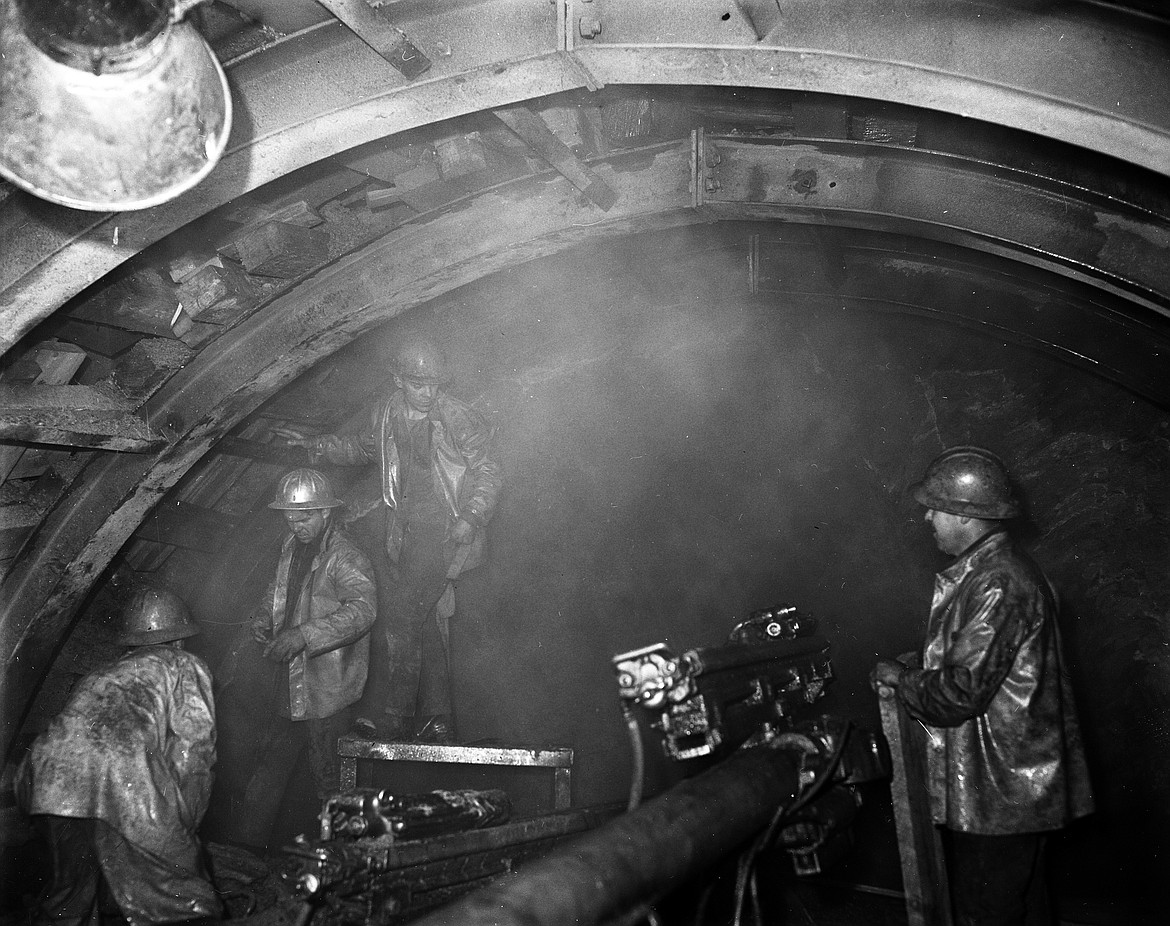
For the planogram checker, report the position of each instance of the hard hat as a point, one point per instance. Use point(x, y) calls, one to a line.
point(422, 360)
point(155, 615)
point(968, 481)
point(304, 489)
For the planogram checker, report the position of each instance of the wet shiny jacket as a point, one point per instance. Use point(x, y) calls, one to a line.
point(1004, 753)
point(335, 612)
point(134, 748)
point(461, 444)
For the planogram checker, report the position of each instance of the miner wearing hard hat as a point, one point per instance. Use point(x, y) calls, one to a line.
point(119, 781)
point(1005, 763)
point(314, 623)
point(440, 482)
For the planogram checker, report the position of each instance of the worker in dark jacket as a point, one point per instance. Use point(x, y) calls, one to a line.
point(314, 623)
point(120, 780)
point(1004, 755)
point(440, 483)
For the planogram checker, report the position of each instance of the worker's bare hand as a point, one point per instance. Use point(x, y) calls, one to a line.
point(261, 633)
point(886, 674)
point(461, 531)
point(291, 436)
point(285, 645)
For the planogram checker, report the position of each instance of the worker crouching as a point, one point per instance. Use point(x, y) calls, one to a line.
point(119, 782)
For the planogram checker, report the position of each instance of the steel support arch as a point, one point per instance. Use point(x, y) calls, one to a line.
point(1100, 85)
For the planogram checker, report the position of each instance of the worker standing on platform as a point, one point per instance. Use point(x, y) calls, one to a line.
point(314, 622)
point(1005, 763)
point(119, 782)
point(440, 483)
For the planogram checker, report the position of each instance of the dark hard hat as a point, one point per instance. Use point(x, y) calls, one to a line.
point(422, 360)
point(968, 481)
point(304, 489)
point(155, 615)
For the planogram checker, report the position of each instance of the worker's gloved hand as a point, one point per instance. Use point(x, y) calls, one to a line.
point(461, 531)
point(285, 645)
point(886, 674)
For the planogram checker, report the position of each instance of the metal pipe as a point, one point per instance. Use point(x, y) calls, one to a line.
point(638, 857)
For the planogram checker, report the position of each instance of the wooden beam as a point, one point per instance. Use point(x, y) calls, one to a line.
point(375, 29)
point(924, 874)
point(98, 339)
point(146, 366)
point(541, 139)
point(145, 301)
point(73, 416)
point(58, 363)
point(218, 293)
point(277, 249)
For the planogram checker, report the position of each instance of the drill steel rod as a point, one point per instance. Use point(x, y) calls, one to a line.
point(639, 856)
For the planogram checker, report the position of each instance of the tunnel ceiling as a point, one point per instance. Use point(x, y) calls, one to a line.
point(997, 166)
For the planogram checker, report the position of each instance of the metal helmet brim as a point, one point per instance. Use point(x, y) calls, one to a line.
point(304, 490)
point(968, 481)
point(155, 615)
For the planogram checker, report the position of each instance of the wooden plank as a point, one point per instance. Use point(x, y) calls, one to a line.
point(218, 293)
point(58, 363)
point(95, 338)
point(146, 366)
point(375, 29)
point(74, 416)
point(145, 301)
point(459, 155)
point(541, 139)
point(298, 212)
point(186, 265)
point(277, 249)
point(924, 876)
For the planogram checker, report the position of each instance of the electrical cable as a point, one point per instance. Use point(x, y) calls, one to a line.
point(745, 874)
point(638, 774)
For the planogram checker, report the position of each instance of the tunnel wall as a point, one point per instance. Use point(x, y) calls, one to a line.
point(679, 452)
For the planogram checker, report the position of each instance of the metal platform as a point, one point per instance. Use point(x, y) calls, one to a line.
point(560, 759)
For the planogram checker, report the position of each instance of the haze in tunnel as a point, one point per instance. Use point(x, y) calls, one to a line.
point(679, 452)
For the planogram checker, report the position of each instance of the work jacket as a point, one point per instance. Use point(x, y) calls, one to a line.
point(334, 611)
point(1004, 752)
point(134, 747)
point(463, 464)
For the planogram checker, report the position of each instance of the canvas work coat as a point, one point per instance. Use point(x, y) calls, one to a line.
point(134, 748)
point(467, 473)
point(334, 611)
point(1004, 752)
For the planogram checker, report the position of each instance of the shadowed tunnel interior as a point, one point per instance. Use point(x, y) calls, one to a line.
point(711, 397)
point(680, 452)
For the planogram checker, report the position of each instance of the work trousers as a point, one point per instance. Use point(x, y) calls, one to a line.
point(409, 672)
point(998, 880)
point(93, 862)
point(286, 741)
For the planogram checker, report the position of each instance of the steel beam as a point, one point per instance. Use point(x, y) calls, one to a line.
point(1066, 229)
point(1082, 73)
